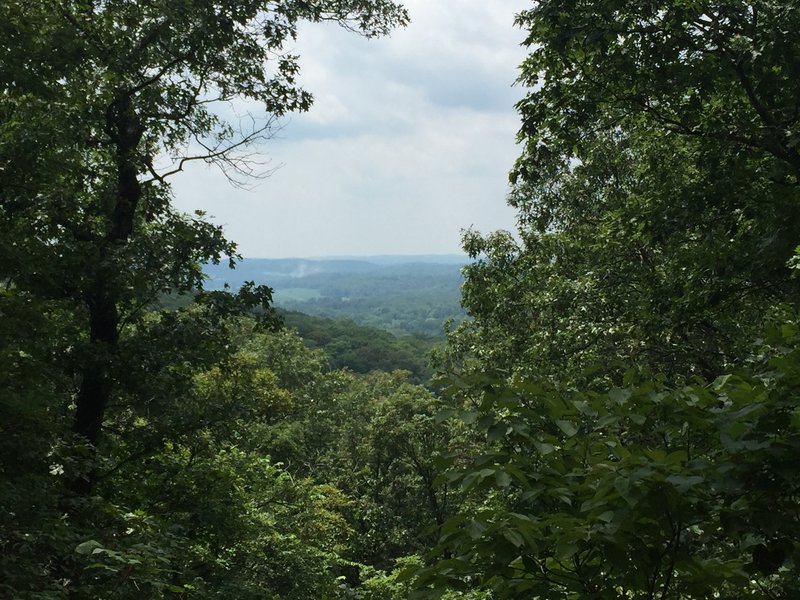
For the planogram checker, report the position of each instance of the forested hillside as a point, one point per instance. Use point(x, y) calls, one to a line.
point(348, 345)
point(364, 349)
point(618, 418)
point(406, 295)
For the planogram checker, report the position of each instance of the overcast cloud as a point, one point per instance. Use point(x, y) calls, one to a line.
point(409, 141)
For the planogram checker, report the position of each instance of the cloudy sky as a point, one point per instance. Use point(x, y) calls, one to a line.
point(409, 141)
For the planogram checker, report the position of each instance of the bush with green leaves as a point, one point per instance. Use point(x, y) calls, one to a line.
point(641, 491)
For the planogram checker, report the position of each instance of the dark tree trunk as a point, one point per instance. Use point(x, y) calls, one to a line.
point(96, 381)
point(125, 130)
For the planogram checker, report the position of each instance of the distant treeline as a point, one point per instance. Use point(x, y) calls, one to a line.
point(364, 349)
point(405, 298)
point(348, 345)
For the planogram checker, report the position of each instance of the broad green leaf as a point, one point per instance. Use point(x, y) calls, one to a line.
point(88, 547)
point(619, 395)
point(567, 427)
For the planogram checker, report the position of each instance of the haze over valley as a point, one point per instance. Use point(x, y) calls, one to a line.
point(404, 295)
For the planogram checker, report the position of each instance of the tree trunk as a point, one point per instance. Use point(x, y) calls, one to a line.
point(125, 130)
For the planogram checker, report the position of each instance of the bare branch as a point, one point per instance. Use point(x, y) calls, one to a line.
point(224, 156)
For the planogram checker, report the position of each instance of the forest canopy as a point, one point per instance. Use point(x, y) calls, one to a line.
point(632, 354)
point(618, 417)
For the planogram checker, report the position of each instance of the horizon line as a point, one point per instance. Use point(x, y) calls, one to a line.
point(356, 256)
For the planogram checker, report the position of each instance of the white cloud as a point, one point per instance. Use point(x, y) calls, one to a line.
point(408, 142)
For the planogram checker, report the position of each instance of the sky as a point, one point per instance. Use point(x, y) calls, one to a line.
point(408, 143)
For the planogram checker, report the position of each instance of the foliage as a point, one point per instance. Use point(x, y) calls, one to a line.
point(84, 135)
point(385, 457)
point(126, 470)
point(199, 451)
point(263, 465)
point(720, 72)
point(656, 192)
point(406, 295)
point(363, 349)
point(413, 299)
point(643, 491)
point(374, 438)
point(641, 254)
point(657, 195)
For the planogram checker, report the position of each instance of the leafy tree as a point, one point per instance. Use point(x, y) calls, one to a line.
point(414, 298)
point(657, 191)
point(375, 439)
point(263, 465)
point(91, 133)
point(657, 194)
point(641, 254)
point(643, 491)
point(100, 104)
point(363, 349)
point(721, 72)
point(191, 501)
point(386, 460)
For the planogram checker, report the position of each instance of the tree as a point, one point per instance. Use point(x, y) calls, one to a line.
point(722, 72)
point(91, 132)
point(632, 246)
point(642, 491)
point(383, 454)
point(100, 103)
point(641, 254)
point(190, 495)
point(632, 360)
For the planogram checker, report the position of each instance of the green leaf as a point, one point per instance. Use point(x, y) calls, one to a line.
point(567, 427)
point(475, 529)
point(566, 548)
point(496, 431)
point(469, 416)
point(606, 517)
point(514, 537)
point(88, 547)
point(502, 478)
point(619, 395)
point(584, 408)
point(683, 483)
point(623, 485)
point(444, 414)
point(637, 419)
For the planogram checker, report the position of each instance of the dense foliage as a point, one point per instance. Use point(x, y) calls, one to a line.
point(619, 417)
point(136, 443)
point(405, 300)
point(351, 346)
point(364, 349)
point(269, 466)
point(632, 362)
point(650, 233)
point(641, 491)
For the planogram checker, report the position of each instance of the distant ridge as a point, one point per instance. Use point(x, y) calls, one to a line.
point(383, 259)
point(279, 270)
point(403, 294)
